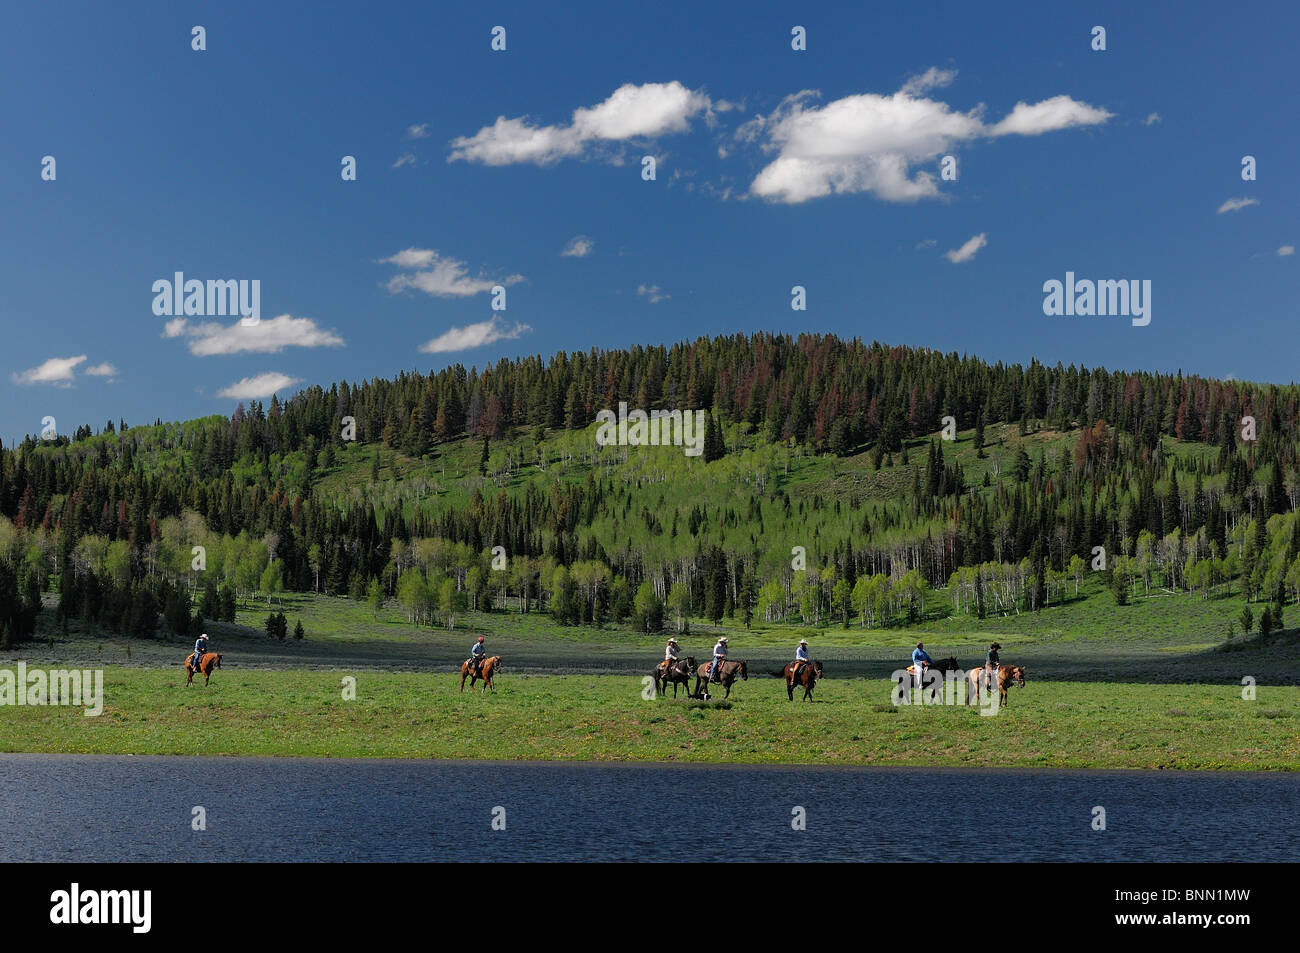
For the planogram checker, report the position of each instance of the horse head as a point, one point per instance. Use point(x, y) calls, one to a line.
point(690, 665)
point(1018, 673)
point(744, 673)
point(817, 667)
point(217, 660)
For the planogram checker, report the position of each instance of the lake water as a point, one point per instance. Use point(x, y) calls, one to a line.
point(94, 808)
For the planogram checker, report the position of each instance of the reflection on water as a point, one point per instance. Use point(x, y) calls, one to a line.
point(85, 808)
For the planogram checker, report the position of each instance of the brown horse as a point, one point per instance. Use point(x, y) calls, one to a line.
point(1006, 675)
point(678, 673)
point(728, 672)
point(809, 672)
point(207, 663)
point(490, 667)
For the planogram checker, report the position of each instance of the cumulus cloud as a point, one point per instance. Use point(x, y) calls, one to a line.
point(102, 370)
point(653, 292)
point(1059, 112)
point(1286, 250)
point(472, 336)
point(406, 158)
point(869, 143)
point(58, 371)
point(265, 337)
point(427, 271)
point(630, 112)
point(580, 246)
point(968, 250)
point(261, 385)
point(1233, 205)
point(1154, 119)
point(418, 131)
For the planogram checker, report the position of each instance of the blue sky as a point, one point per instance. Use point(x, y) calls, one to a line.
point(775, 168)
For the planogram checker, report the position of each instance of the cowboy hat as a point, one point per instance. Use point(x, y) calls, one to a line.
point(803, 641)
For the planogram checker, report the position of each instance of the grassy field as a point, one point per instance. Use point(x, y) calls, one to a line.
point(605, 718)
point(1142, 686)
point(1166, 638)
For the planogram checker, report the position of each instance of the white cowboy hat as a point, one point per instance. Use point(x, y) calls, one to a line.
point(803, 641)
point(723, 639)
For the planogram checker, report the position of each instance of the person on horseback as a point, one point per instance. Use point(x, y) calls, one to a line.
point(670, 656)
point(920, 660)
point(719, 656)
point(200, 648)
point(991, 664)
point(800, 658)
point(477, 654)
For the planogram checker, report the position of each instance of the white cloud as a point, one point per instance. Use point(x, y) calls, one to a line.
point(57, 370)
point(927, 243)
point(1286, 250)
point(1059, 112)
point(868, 142)
point(1153, 119)
point(406, 158)
point(933, 78)
point(580, 246)
point(968, 250)
point(472, 336)
point(653, 292)
point(261, 385)
point(1233, 205)
point(101, 370)
point(418, 131)
point(630, 112)
point(265, 337)
point(438, 276)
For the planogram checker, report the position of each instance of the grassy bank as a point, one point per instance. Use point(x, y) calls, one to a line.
point(604, 718)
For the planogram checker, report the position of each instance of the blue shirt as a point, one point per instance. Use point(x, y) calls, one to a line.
point(919, 656)
point(200, 644)
point(801, 653)
point(477, 650)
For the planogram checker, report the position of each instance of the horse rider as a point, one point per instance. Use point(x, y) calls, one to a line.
point(477, 654)
point(670, 656)
point(719, 656)
point(920, 661)
point(800, 658)
point(991, 664)
point(200, 648)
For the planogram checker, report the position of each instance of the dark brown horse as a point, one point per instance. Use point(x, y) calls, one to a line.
point(1006, 675)
point(727, 672)
point(678, 673)
point(809, 672)
point(942, 665)
point(491, 666)
point(207, 663)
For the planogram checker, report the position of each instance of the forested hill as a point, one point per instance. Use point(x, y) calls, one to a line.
point(814, 442)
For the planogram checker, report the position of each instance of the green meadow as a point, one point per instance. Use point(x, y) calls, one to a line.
point(606, 718)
